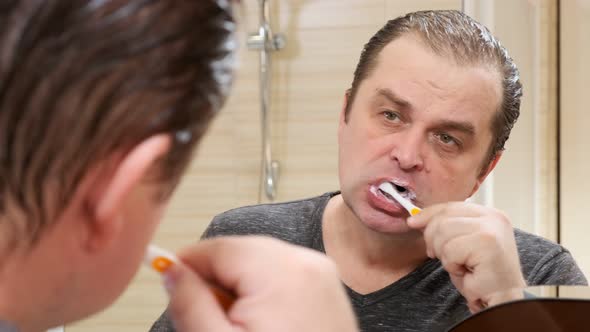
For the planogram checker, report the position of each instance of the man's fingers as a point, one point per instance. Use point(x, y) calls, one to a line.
point(459, 209)
point(220, 259)
point(193, 305)
point(457, 255)
point(422, 219)
point(448, 230)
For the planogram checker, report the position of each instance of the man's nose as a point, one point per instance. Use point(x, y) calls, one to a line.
point(407, 150)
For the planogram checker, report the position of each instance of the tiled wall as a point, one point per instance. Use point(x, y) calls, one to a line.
point(575, 133)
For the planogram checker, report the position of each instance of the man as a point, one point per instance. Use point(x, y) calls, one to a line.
point(432, 103)
point(101, 106)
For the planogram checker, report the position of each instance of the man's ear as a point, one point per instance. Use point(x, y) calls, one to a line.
point(485, 172)
point(346, 100)
point(112, 187)
point(343, 116)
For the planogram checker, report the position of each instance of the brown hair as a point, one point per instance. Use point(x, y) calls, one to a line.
point(456, 35)
point(81, 80)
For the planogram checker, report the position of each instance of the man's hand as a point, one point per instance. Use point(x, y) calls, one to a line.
point(278, 287)
point(476, 245)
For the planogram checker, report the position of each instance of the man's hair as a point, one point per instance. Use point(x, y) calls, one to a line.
point(82, 80)
point(455, 35)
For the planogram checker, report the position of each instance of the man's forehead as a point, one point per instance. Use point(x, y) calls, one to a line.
point(410, 72)
point(410, 53)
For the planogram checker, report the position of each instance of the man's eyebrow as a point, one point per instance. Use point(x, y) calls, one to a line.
point(462, 126)
point(393, 98)
point(449, 125)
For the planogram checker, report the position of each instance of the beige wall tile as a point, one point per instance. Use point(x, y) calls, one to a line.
point(524, 181)
point(575, 135)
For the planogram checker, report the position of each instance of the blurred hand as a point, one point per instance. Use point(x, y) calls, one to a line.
point(476, 245)
point(278, 287)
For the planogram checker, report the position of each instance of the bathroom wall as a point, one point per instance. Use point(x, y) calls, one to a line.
point(574, 133)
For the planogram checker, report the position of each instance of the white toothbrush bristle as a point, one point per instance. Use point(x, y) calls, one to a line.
point(154, 252)
point(389, 189)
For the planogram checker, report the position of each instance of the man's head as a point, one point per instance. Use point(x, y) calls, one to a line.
point(424, 79)
point(455, 35)
point(101, 106)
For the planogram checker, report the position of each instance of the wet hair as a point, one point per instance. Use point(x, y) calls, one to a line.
point(455, 35)
point(83, 80)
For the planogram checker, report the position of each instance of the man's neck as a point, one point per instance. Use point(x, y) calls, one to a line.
point(27, 286)
point(368, 260)
point(16, 300)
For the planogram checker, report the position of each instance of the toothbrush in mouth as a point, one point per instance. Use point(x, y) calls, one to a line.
point(388, 188)
point(160, 260)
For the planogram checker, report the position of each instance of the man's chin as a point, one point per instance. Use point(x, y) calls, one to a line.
point(383, 222)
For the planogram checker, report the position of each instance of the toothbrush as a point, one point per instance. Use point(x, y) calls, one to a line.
point(406, 203)
point(161, 260)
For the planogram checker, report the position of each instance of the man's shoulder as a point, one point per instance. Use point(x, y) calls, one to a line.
point(289, 209)
point(531, 244)
point(533, 248)
point(546, 262)
point(283, 220)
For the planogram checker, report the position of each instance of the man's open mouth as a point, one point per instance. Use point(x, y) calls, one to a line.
point(402, 190)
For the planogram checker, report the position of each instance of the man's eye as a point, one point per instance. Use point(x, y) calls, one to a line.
point(391, 116)
point(447, 139)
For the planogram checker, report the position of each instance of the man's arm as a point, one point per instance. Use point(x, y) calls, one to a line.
point(557, 267)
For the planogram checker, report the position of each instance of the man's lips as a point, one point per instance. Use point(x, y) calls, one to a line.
point(402, 187)
point(381, 202)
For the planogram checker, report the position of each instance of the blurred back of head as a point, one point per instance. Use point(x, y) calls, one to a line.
point(83, 80)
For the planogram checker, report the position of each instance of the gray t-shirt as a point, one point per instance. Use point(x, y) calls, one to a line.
point(424, 300)
point(5, 326)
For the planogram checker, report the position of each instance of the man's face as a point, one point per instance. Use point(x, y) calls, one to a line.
point(420, 121)
point(110, 270)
